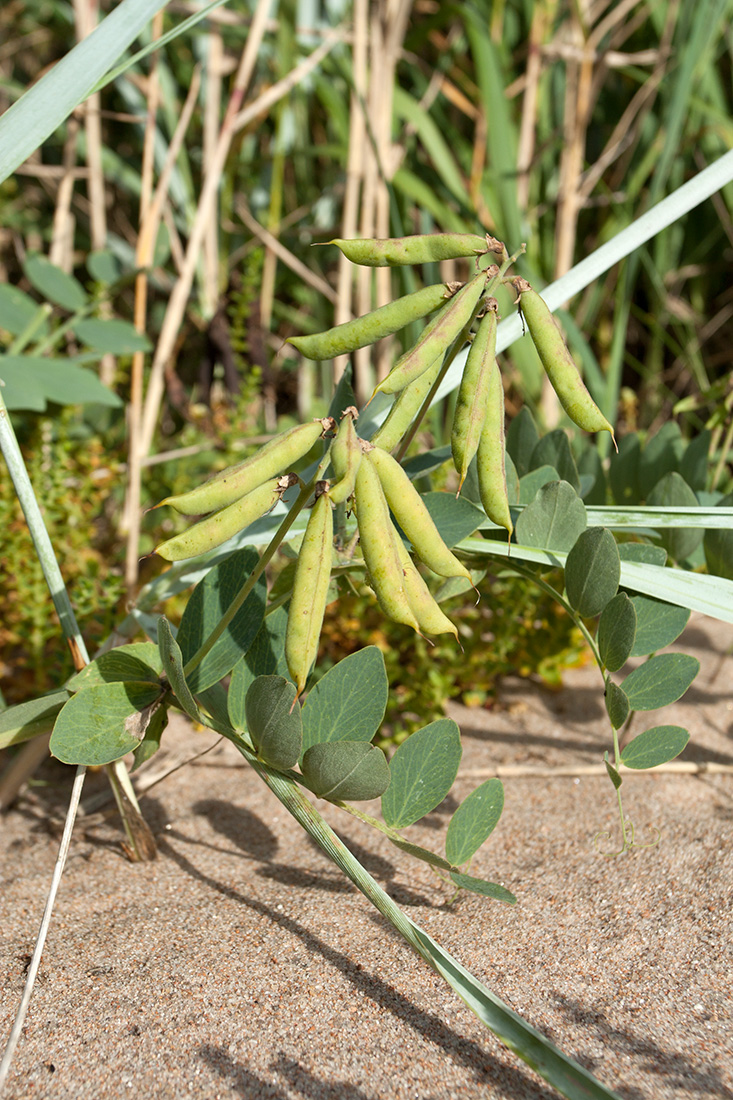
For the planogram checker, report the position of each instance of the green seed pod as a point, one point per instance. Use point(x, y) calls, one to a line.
point(281, 453)
point(558, 362)
point(376, 537)
point(345, 455)
point(310, 592)
point(217, 528)
point(436, 337)
point(366, 330)
point(426, 609)
point(411, 513)
point(406, 406)
point(491, 455)
point(473, 393)
point(422, 249)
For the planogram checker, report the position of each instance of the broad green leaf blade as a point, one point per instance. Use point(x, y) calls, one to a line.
point(420, 853)
point(554, 520)
point(484, 888)
point(590, 465)
point(662, 454)
point(617, 704)
point(34, 117)
point(521, 439)
point(103, 723)
point(17, 309)
point(655, 746)
point(474, 821)
point(137, 661)
point(30, 382)
point(671, 492)
point(592, 571)
point(348, 703)
point(455, 518)
point(643, 552)
point(265, 657)
point(617, 631)
point(115, 337)
point(172, 662)
point(423, 770)
point(210, 599)
point(623, 473)
point(660, 680)
point(658, 624)
point(553, 449)
point(530, 485)
point(695, 462)
point(54, 284)
point(352, 771)
point(274, 721)
point(104, 266)
point(27, 720)
point(151, 738)
point(426, 462)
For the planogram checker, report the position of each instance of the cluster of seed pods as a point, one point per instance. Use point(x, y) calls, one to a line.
point(365, 476)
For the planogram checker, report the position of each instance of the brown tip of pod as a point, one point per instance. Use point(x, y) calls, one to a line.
point(286, 481)
point(366, 446)
point(520, 285)
point(327, 423)
point(495, 245)
point(351, 411)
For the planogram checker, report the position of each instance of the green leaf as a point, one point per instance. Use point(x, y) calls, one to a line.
point(660, 680)
point(274, 721)
point(353, 771)
point(655, 746)
point(695, 463)
point(103, 723)
point(662, 454)
point(27, 720)
point(420, 853)
point(592, 571)
point(138, 661)
point(521, 439)
point(616, 632)
point(17, 309)
point(344, 395)
point(426, 462)
point(617, 704)
point(623, 473)
point(104, 266)
point(554, 519)
point(348, 703)
point(423, 770)
point(474, 821)
point(115, 337)
point(643, 552)
point(30, 382)
point(151, 738)
point(172, 662)
point(590, 465)
point(512, 480)
point(209, 600)
point(530, 485)
point(265, 657)
point(718, 546)
point(613, 775)
point(658, 624)
point(553, 449)
point(54, 284)
point(481, 886)
point(455, 518)
point(673, 491)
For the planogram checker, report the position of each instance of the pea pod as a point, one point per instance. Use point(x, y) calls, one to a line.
point(426, 248)
point(407, 405)
point(558, 362)
point(491, 454)
point(377, 541)
point(310, 592)
point(217, 528)
point(473, 394)
point(436, 337)
point(426, 609)
point(345, 455)
point(411, 513)
point(281, 453)
point(366, 330)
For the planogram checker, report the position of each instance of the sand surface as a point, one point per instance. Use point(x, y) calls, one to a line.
point(242, 964)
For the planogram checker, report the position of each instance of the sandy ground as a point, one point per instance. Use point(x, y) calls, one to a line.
point(241, 964)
